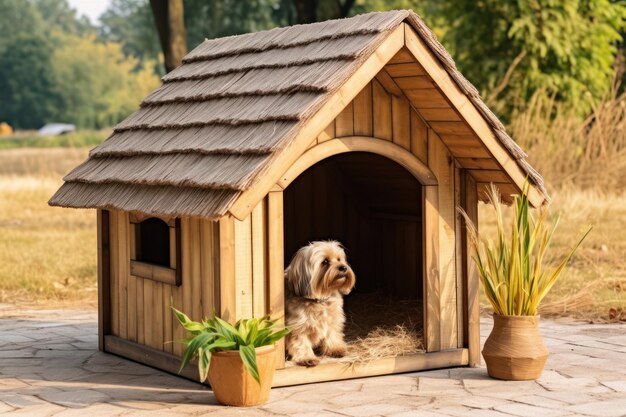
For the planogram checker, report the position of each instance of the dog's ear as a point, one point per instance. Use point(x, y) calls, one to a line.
point(298, 274)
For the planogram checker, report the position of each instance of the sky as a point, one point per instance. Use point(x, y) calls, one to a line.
point(90, 8)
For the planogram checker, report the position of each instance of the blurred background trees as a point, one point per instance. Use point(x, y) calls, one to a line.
point(57, 66)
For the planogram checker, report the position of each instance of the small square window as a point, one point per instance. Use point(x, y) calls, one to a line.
point(155, 248)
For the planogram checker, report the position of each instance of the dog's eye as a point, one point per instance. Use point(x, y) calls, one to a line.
point(325, 262)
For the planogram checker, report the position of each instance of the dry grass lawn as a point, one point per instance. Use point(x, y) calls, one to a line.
point(48, 255)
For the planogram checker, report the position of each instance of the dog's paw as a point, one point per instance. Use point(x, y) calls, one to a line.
point(309, 362)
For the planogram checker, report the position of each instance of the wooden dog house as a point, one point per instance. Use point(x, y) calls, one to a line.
point(261, 141)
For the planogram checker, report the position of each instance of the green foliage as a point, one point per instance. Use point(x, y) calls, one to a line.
point(28, 89)
point(54, 70)
point(100, 86)
point(82, 138)
point(512, 269)
point(512, 49)
point(214, 335)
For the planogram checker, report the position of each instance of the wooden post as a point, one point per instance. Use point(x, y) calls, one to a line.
point(471, 285)
point(430, 215)
point(276, 266)
point(104, 277)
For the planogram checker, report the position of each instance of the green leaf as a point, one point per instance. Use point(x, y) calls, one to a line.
point(248, 356)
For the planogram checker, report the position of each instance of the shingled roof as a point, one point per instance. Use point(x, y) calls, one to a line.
point(217, 122)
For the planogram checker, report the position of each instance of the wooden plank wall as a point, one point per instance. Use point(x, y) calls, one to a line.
point(376, 112)
point(251, 263)
point(140, 308)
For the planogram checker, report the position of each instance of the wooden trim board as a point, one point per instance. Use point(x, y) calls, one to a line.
point(359, 144)
point(104, 277)
point(466, 109)
point(297, 374)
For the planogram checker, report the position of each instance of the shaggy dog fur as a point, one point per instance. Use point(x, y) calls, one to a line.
point(315, 281)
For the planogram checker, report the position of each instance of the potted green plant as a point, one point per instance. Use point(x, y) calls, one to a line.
point(239, 359)
point(515, 281)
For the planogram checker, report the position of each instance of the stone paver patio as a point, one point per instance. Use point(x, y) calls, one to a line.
point(50, 365)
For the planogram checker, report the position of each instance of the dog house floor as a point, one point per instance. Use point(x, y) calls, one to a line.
point(379, 326)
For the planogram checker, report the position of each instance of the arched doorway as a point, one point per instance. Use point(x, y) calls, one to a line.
point(373, 206)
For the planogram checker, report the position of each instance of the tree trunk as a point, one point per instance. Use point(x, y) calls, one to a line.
point(306, 11)
point(168, 18)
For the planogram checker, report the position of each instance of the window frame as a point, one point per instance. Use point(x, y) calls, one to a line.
point(171, 275)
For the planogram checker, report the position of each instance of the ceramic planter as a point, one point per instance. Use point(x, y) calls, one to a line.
point(514, 350)
point(233, 385)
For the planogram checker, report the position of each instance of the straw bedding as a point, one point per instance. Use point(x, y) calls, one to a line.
point(379, 326)
point(220, 119)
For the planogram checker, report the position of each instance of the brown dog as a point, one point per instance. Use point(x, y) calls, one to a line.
point(315, 280)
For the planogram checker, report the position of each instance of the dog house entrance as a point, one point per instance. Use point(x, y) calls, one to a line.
point(373, 206)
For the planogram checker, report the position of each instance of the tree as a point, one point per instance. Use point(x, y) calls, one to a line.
point(514, 49)
point(29, 93)
point(100, 85)
point(168, 18)
point(309, 11)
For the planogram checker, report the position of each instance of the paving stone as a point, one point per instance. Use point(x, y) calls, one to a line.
point(524, 410)
point(481, 402)
point(619, 386)
point(418, 413)
point(95, 410)
point(75, 398)
point(368, 410)
point(607, 408)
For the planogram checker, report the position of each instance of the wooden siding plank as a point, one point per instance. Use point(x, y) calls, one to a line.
point(228, 299)
point(430, 247)
point(140, 310)
point(484, 175)
point(478, 163)
point(115, 273)
point(419, 137)
point(104, 276)
point(276, 266)
point(209, 260)
point(259, 257)
point(157, 322)
point(363, 112)
point(177, 330)
point(408, 69)
point(388, 84)
point(328, 133)
point(471, 276)
point(344, 123)
point(382, 112)
point(401, 122)
point(243, 268)
point(186, 251)
point(195, 273)
point(440, 115)
point(149, 312)
point(459, 188)
point(414, 83)
point(441, 163)
point(402, 57)
point(427, 98)
point(123, 272)
point(451, 128)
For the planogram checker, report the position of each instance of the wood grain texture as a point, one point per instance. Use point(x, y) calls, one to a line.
point(228, 297)
point(276, 265)
point(419, 137)
point(259, 259)
point(363, 112)
point(243, 268)
point(472, 284)
point(115, 272)
point(382, 112)
point(441, 162)
point(328, 133)
point(401, 119)
point(432, 293)
point(104, 276)
point(344, 123)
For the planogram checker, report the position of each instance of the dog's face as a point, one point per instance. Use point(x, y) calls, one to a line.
point(319, 270)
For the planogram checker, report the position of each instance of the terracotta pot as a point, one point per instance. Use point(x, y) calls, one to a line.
point(231, 382)
point(514, 350)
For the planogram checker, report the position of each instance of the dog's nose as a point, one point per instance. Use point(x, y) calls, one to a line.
point(342, 268)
